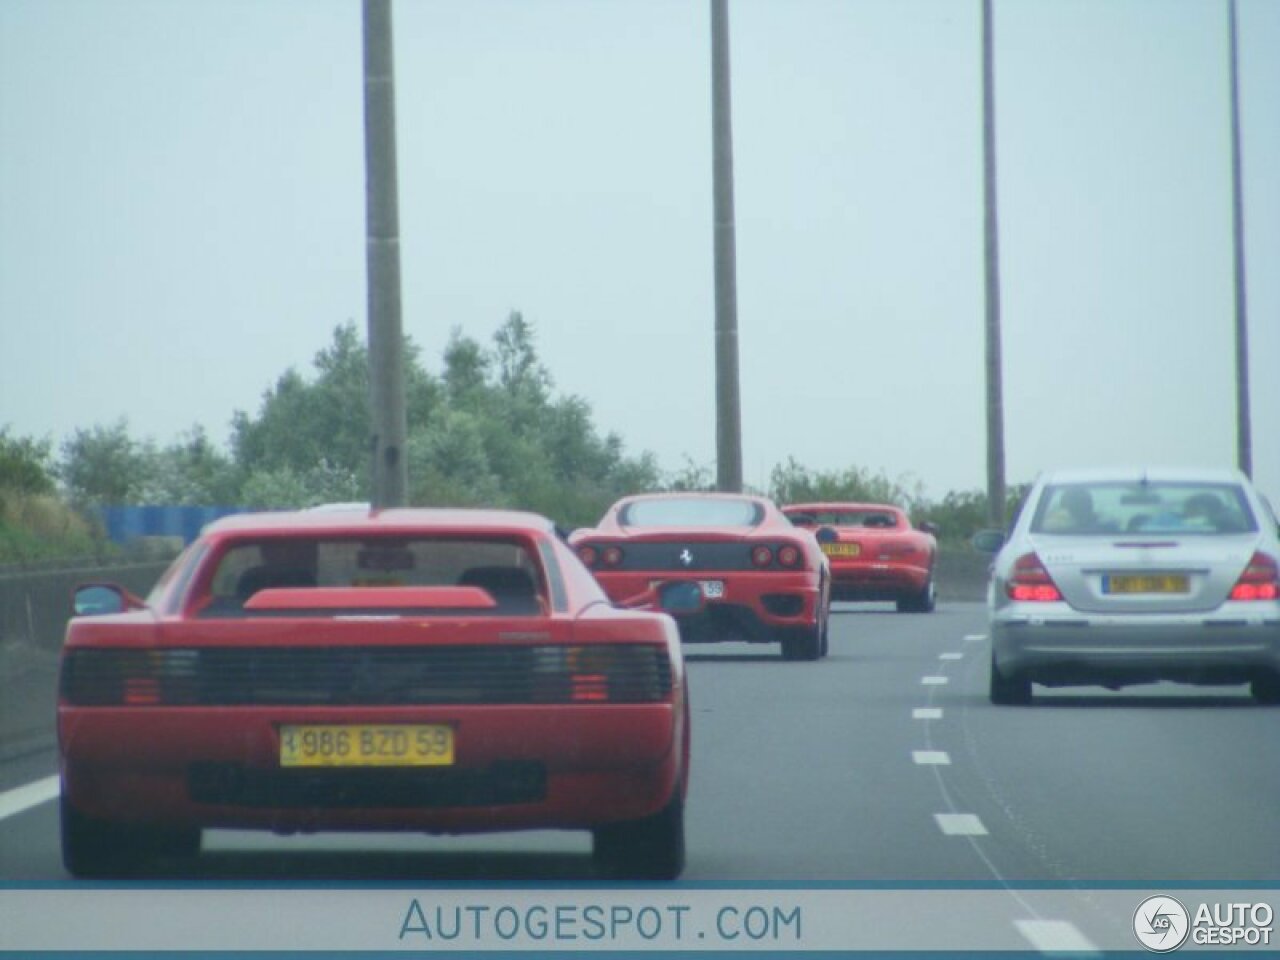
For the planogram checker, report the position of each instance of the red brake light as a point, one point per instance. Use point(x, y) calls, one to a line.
point(588, 555)
point(1030, 581)
point(789, 556)
point(761, 556)
point(1260, 580)
point(612, 556)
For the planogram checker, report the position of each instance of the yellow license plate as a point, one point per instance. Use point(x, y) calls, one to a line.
point(1146, 583)
point(841, 549)
point(360, 745)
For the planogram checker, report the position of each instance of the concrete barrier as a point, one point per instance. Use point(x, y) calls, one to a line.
point(35, 606)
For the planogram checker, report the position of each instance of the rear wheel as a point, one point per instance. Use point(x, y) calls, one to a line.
point(926, 601)
point(1266, 688)
point(802, 643)
point(651, 848)
point(99, 848)
point(1009, 690)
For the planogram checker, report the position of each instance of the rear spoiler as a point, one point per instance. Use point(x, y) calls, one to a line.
point(371, 598)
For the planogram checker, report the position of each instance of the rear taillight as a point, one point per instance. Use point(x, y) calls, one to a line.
point(1030, 581)
point(1260, 580)
point(612, 556)
point(761, 556)
point(588, 555)
point(789, 556)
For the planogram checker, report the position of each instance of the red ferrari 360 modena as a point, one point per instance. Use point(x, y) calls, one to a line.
point(761, 579)
point(875, 555)
point(408, 670)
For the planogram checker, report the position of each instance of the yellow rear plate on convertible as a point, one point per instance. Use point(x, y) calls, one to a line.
point(395, 745)
point(1146, 583)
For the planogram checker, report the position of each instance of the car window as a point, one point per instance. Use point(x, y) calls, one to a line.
point(691, 512)
point(1100, 509)
point(505, 569)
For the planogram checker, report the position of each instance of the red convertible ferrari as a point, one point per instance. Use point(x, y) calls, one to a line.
point(761, 580)
point(408, 670)
point(876, 555)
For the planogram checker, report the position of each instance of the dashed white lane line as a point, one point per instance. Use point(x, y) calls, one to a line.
point(934, 757)
point(926, 713)
point(974, 637)
point(1056, 936)
point(13, 802)
point(960, 824)
point(933, 681)
point(951, 656)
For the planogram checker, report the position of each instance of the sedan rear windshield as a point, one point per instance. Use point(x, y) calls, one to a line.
point(691, 512)
point(505, 569)
point(1175, 509)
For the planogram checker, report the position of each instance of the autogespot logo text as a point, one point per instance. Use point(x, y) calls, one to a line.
point(1161, 924)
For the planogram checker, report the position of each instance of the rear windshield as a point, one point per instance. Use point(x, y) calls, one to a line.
point(506, 569)
point(1099, 509)
point(845, 518)
point(691, 512)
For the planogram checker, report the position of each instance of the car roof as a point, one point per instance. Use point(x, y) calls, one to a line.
point(841, 505)
point(1135, 474)
point(356, 520)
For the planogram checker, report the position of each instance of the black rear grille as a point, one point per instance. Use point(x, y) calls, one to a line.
point(237, 676)
point(680, 555)
point(230, 784)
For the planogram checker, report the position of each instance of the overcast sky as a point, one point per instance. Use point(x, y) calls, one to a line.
point(182, 217)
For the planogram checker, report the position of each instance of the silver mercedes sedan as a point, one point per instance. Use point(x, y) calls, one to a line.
point(1114, 577)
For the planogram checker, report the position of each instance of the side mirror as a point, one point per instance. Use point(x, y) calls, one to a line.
point(95, 599)
point(929, 527)
point(826, 535)
point(987, 541)
point(680, 596)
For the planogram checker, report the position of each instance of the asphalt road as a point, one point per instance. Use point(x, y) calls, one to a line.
point(884, 764)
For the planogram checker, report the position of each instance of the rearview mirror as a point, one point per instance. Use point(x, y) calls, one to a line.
point(96, 599)
point(680, 596)
point(987, 541)
point(929, 527)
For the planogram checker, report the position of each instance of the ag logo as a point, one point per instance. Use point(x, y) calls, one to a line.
point(1161, 924)
point(686, 557)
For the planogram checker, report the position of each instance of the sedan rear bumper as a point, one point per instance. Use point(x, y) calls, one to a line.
point(1064, 647)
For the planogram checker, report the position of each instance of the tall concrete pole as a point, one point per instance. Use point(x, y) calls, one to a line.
point(1244, 442)
point(389, 471)
point(995, 390)
point(728, 410)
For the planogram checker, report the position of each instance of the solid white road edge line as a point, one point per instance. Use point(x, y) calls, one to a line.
point(15, 801)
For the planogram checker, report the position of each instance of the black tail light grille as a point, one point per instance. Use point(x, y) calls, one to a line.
point(615, 673)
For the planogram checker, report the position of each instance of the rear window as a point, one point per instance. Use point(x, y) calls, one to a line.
point(504, 568)
point(846, 518)
point(692, 512)
point(1182, 509)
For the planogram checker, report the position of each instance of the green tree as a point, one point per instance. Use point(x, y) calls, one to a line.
point(103, 465)
point(190, 471)
point(26, 465)
point(793, 483)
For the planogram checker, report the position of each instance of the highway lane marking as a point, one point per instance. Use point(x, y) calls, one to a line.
point(974, 637)
point(933, 681)
point(951, 656)
point(935, 757)
point(13, 802)
point(926, 713)
point(1056, 936)
point(960, 824)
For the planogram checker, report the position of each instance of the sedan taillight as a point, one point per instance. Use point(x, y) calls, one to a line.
point(1260, 580)
point(1030, 581)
